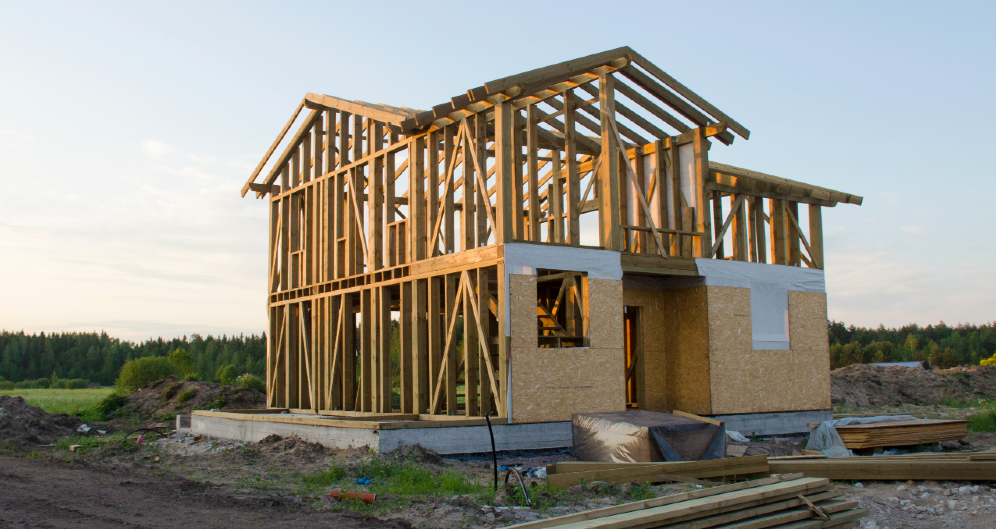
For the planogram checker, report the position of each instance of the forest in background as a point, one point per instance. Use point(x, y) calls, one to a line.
point(938, 345)
point(97, 358)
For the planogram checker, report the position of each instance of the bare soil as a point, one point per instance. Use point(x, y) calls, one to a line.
point(864, 385)
point(165, 399)
point(23, 425)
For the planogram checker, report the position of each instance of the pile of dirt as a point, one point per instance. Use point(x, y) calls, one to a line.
point(293, 447)
point(864, 385)
point(164, 399)
point(22, 424)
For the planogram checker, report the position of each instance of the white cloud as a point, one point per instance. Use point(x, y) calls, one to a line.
point(156, 149)
point(915, 230)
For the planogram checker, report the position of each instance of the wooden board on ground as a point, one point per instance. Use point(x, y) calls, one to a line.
point(901, 433)
point(886, 469)
point(569, 473)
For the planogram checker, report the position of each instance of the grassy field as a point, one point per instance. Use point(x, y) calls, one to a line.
point(61, 400)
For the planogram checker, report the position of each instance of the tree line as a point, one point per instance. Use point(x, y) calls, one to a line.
point(938, 345)
point(98, 358)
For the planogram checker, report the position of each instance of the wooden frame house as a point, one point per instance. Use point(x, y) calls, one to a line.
point(552, 242)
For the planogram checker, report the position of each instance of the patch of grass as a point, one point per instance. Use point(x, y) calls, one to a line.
point(953, 402)
point(75, 401)
point(187, 395)
point(985, 420)
point(171, 390)
point(312, 483)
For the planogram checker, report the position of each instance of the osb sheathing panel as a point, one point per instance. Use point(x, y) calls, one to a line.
point(651, 370)
point(748, 381)
point(551, 384)
point(729, 326)
point(523, 311)
point(606, 327)
point(687, 362)
point(807, 324)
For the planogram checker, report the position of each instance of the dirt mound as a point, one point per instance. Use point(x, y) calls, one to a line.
point(293, 447)
point(863, 385)
point(161, 401)
point(22, 424)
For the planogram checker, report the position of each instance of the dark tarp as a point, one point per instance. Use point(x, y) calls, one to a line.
point(641, 436)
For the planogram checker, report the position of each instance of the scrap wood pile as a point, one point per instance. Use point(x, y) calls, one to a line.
point(789, 501)
point(955, 466)
point(569, 473)
point(901, 433)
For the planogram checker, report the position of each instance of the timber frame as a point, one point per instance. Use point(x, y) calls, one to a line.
point(382, 214)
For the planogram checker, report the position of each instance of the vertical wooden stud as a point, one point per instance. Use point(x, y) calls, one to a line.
point(816, 234)
point(610, 195)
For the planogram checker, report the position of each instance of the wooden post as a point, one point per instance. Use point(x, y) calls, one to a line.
point(349, 353)
point(434, 330)
point(417, 212)
point(376, 200)
point(760, 230)
point(503, 339)
point(792, 235)
point(405, 347)
point(556, 199)
point(419, 346)
point(482, 220)
point(740, 230)
point(385, 349)
point(504, 150)
point(534, 214)
point(467, 226)
point(365, 352)
point(611, 231)
point(816, 234)
point(702, 212)
point(433, 186)
point(449, 191)
point(717, 223)
point(572, 169)
point(678, 202)
point(662, 182)
point(483, 301)
point(470, 346)
point(779, 233)
point(451, 284)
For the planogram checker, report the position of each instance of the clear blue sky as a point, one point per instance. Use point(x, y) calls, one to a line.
point(127, 130)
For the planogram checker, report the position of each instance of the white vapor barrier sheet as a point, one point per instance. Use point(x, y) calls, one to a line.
point(769, 286)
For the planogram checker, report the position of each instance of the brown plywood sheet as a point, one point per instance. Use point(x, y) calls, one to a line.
point(606, 325)
point(651, 371)
point(523, 311)
point(551, 384)
point(811, 372)
point(687, 362)
point(729, 326)
point(807, 325)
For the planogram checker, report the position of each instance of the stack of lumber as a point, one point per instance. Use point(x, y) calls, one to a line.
point(901, 433)
point(956, 466)
point(779, 501)
point(569, 473)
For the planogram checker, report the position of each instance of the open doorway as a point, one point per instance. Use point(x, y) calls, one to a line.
point(633, 351)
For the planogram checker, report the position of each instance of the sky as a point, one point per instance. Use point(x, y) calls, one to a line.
point(128, 129)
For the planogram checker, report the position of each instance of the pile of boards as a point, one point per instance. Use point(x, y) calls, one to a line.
point(938, 466)
point(787, 502)
point(901, 433)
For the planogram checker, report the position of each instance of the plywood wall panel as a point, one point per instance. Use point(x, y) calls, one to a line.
point(811, 373)
point(552, 384)
point(652, 387)
point(729, 325)
point(606, 325)
point(523, 311)
point(687, 360)
point(807, 325)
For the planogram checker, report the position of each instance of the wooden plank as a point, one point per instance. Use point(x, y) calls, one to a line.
point(696, 417)
point(368, 337)
point(384, 357)
point(467, 226)
point(419, 347)
point(556, 71)
point(452, 295)
point(779, 233)
point(433, 192)
point(816, 235)
point(450, 153)
point(641, 198)
point(406, 391)
point(324, 102)
point(504, 146)
point(534, 211)
point(417, 214)
point(435, 328)
point(625, 474)
point(760, 230)
point(740, 251)
point(610, 197)
point(376, 201)
point(555, 196)
point(791, 213)
point(889, 470)
point(470, 349)
point(702, 212)
point(349, 364)
point(572, 170)
point(270, 150)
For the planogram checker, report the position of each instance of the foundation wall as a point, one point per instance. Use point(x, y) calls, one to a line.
point(552, 384)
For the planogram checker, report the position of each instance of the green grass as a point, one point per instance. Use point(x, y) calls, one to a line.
point(61, 400)
point(986, 419)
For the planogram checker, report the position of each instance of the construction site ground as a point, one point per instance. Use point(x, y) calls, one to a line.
point(183, 481)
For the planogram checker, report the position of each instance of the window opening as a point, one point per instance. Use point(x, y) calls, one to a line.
point(562, 309)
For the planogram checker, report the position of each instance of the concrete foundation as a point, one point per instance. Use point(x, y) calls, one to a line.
point(440, 439)
point(791, 422)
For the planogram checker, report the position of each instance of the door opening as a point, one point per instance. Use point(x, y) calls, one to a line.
point(633, 351)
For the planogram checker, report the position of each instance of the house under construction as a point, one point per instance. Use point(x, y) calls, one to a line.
point(548, 243)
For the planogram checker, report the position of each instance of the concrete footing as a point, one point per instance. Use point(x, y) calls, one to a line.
point(783, 423)
point(440, 439)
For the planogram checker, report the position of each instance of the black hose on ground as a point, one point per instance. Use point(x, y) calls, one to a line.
point(524, 489)
point(493, 444)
